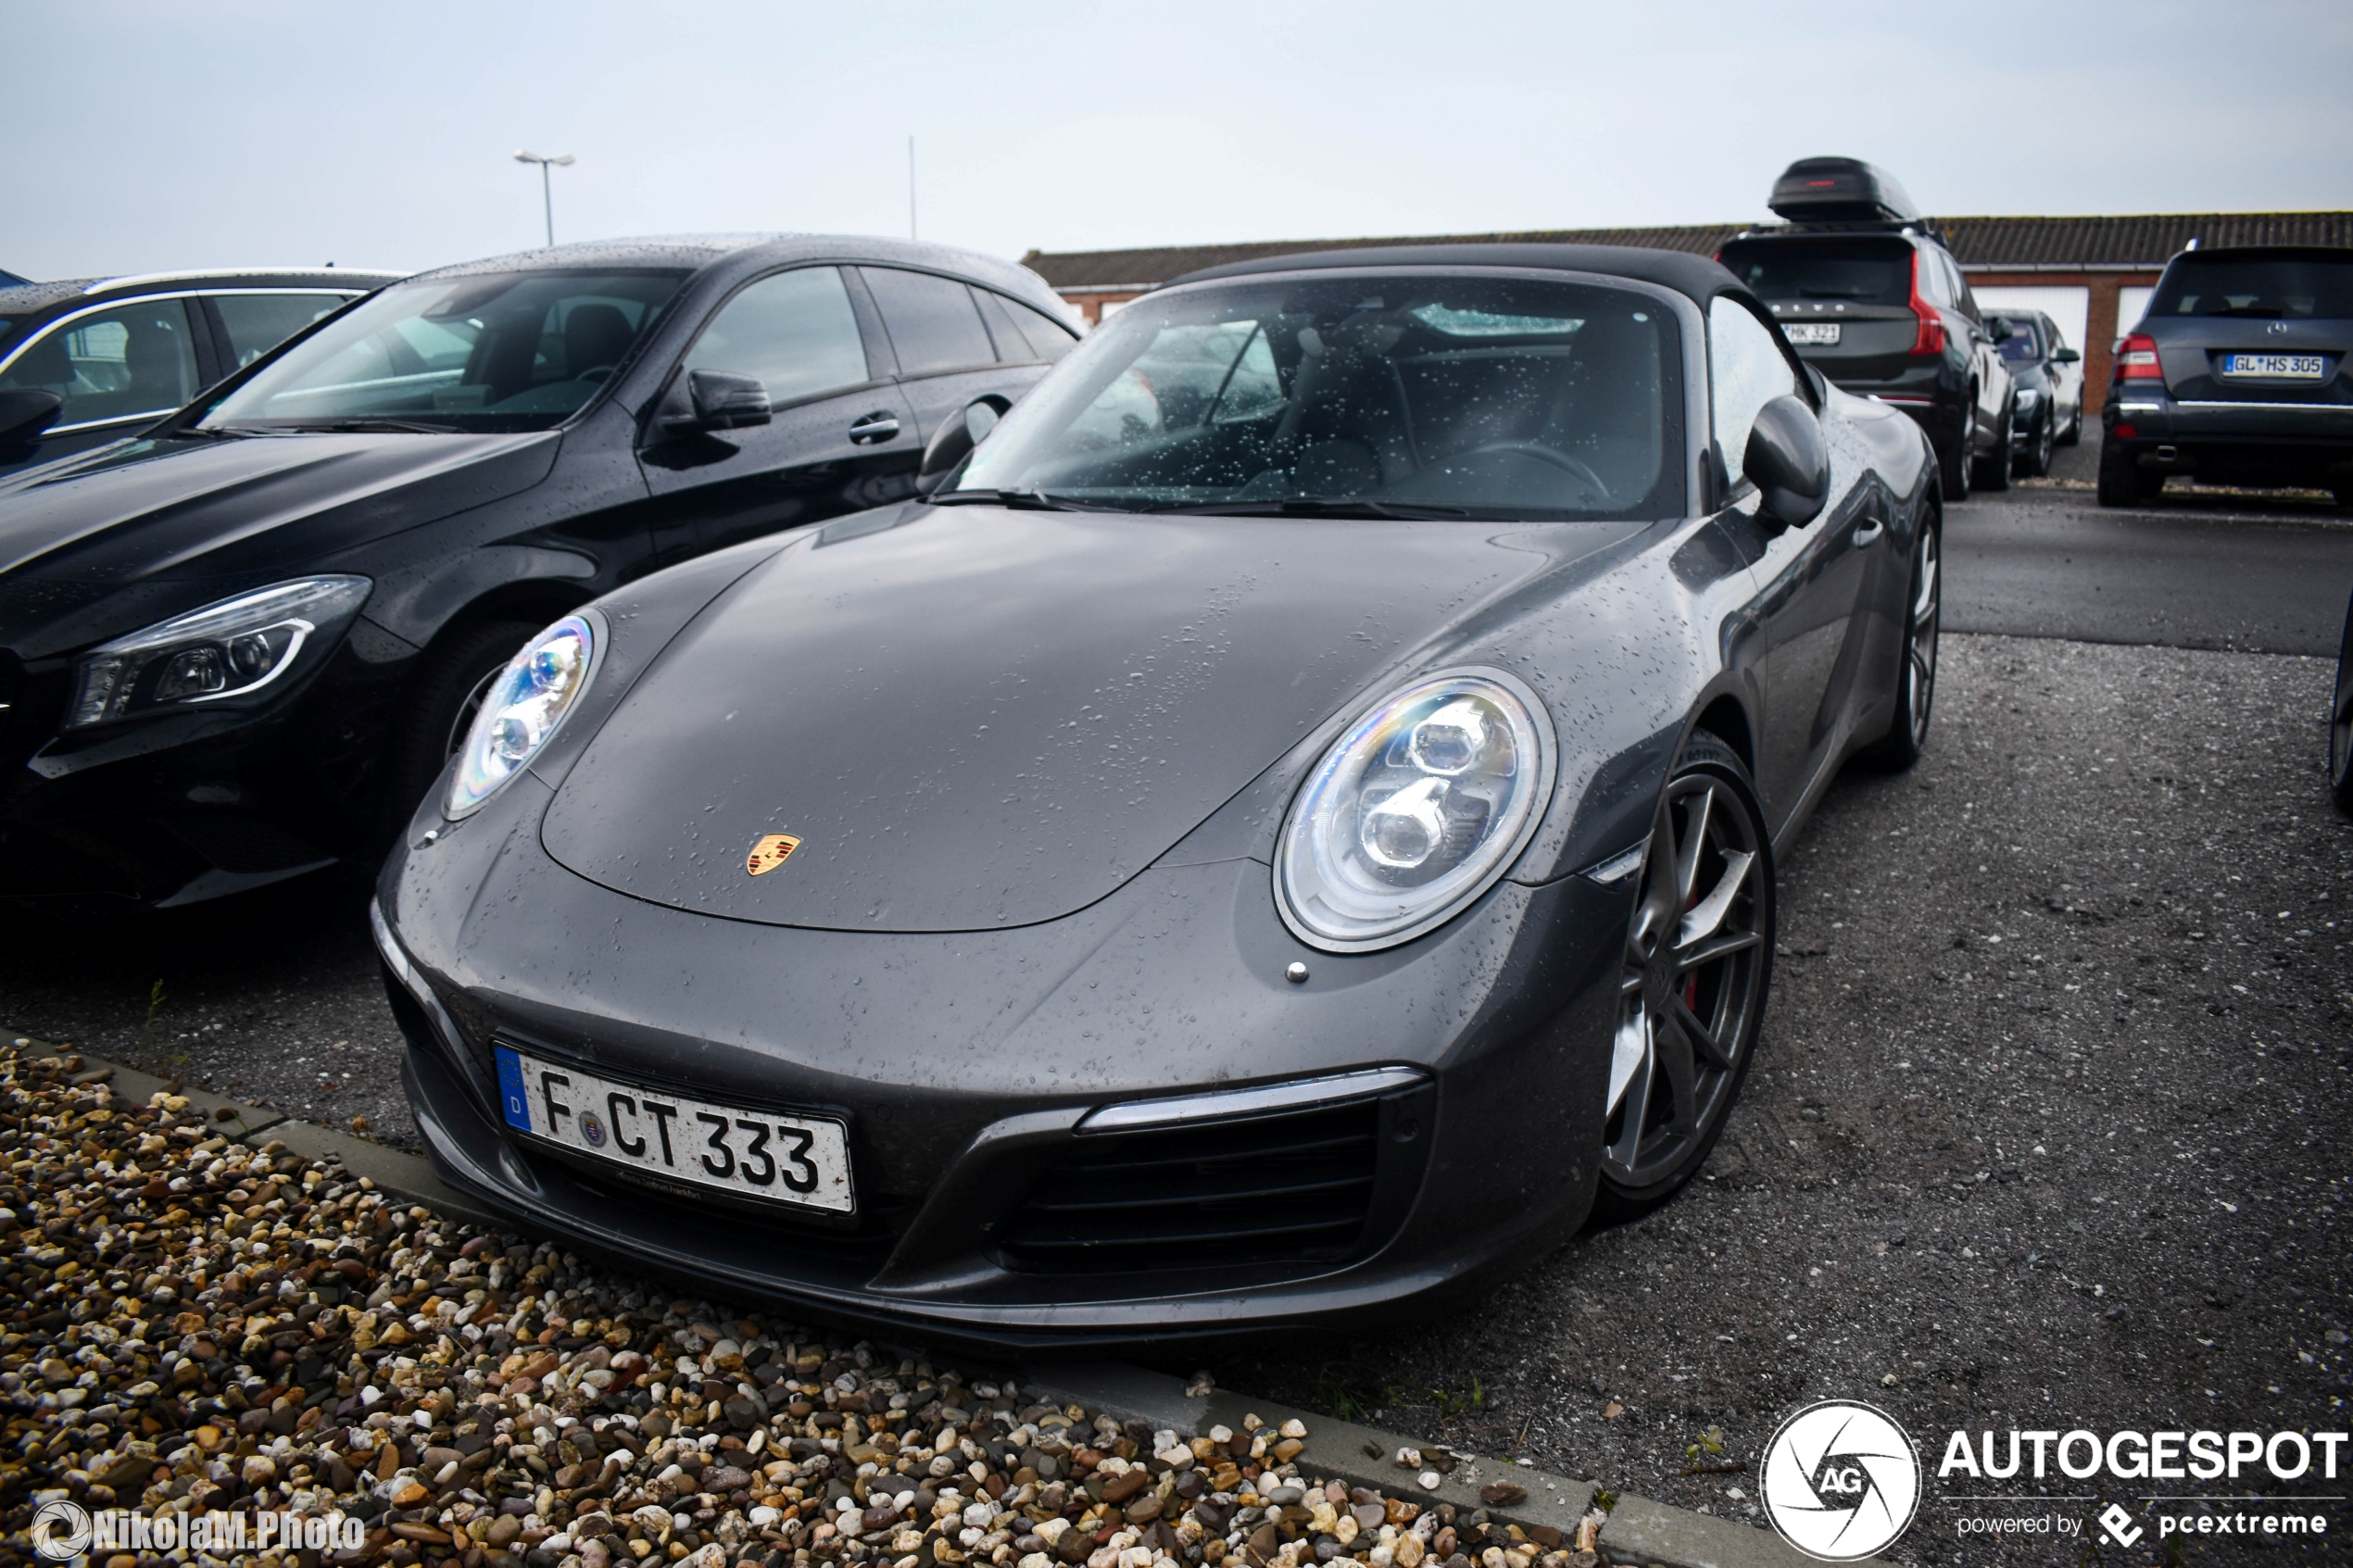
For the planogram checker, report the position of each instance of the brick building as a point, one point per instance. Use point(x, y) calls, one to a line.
point(2090, 275)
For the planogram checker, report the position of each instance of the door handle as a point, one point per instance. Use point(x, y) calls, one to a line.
point(875, 429)
point(1869, 534)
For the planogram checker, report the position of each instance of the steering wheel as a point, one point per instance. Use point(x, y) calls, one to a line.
point(1551, 456)
point(595, 373)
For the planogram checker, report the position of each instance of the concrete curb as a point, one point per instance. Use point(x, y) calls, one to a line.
point(1638, 1530)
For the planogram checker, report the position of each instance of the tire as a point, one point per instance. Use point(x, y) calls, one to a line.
point(1906, 736)
point(442, 706)
point(2123, 482)
point(1994, 468)
point(2034, 462)
point(1670, 1094)
point(2341, 723)
point(1953, 455)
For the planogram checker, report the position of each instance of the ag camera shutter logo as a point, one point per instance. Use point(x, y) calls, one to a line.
point(1841, 1480)
point(61, 1531)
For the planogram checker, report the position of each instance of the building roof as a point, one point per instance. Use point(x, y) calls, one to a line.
point(1988, 243)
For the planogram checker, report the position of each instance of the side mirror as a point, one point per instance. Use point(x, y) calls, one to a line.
point(719, 400)
point(955, 439)
point(24, 415)
point(2065, 356)
point(1788, 463)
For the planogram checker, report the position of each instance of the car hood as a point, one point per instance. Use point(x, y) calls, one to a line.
point(241, 507)
point(981, 717)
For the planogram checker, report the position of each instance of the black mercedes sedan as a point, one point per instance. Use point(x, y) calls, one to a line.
point(240, 646)
point(1282, 830)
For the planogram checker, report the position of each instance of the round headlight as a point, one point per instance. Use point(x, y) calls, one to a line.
point(521, 710)
point(1415, 811)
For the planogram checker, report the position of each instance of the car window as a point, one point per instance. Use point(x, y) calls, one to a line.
point(136, 358)
point(932, 322)
point(795, 331)
point(488, 351)
point(1472, 397)
point(1936, 283)
point(1048, 339)
point(1023, 336)
point(2023, 345)
point(1745, 370)
point(259, 322)
point(2267, 287)
point(1862, 271)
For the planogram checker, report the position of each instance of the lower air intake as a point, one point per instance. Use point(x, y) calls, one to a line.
point(1302, 1188)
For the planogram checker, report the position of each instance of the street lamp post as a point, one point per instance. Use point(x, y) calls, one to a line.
point(547, 192)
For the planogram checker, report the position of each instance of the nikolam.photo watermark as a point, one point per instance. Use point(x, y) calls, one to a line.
point(64, 1530)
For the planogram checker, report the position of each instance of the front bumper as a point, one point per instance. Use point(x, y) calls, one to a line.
point(175, 808)
point(964, 1064)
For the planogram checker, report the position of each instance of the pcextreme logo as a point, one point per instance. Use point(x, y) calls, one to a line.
point(1842, 1480)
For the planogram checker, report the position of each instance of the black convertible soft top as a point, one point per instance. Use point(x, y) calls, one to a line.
point(1697, 276)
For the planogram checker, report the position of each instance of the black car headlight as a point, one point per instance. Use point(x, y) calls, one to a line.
point(1414, 812)
point(230, 649)
point(522, 708)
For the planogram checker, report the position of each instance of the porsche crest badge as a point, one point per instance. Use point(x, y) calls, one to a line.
point(773, 850)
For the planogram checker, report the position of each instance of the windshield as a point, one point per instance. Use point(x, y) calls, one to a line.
point(498, 352)
point(1860, 271)
point(1374, 391)
point(2021, 346)
point(2282, 286)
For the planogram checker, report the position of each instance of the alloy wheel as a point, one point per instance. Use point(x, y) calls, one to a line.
point(1920, 633)
point(1692, 986)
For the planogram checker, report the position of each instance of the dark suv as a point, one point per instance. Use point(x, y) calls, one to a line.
point(2236, 374)
point(1869, 296)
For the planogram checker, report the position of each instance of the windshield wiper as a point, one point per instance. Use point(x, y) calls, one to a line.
point(1017, 500)
point(371, 426)
point(1319, 506)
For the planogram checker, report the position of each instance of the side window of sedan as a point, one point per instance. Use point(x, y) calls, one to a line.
point(1745, 370)
point(933, 322)
point(132, 359)
point(259, 322)
point(796, 330)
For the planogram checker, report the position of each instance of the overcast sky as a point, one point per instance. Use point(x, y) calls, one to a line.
point(156, 136)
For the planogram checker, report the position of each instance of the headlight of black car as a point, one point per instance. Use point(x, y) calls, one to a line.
point(1414, 812)
point(227, 649)
point(522, 709)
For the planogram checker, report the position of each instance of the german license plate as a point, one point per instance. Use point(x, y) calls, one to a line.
point(1811, 334)
point(793, 1158)
point(2277, 366)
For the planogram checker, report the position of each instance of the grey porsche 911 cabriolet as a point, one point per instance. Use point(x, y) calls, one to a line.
point(1282, 825)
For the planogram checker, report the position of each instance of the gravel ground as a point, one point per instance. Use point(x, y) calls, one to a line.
point(201, 1326)
point(2048, 1127)
point(275, 1000)
point(2149, 1067)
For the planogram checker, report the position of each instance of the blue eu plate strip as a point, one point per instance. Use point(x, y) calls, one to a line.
point(513, 1098)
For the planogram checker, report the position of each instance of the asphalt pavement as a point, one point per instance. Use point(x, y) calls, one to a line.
point(2197, 568)
point(2048, 1123)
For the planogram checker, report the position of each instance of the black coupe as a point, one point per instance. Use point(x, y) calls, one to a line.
point(1284, 823)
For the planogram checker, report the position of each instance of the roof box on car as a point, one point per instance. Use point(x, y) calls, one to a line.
point(1840, 190)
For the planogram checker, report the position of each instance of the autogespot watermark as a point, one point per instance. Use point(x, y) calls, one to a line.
point(1842, 1480)
point(63, 1531)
